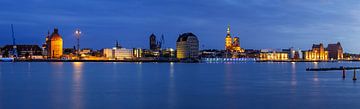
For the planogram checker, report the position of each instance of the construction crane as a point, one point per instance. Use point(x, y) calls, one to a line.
point(14, 50)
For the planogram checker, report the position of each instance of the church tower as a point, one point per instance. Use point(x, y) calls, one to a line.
point(228, 40)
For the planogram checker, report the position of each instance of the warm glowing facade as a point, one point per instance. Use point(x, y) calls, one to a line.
point(55, 45)
point(274, 56)
point(232, 45)
point(317, 52)
point(187, 46)
point(118, 53)
point(228, 40)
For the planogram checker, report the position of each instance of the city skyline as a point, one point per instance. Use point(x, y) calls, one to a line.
point(259, 24)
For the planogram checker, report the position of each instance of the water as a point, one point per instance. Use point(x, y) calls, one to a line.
point(175, 86)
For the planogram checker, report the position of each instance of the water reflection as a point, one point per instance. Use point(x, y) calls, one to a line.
point(229, 86)
point(58, 94)
point(293, 78)
point(77, 87)
point(29, 70)
point(172, 88)
point(316, 82)
point(293, 74)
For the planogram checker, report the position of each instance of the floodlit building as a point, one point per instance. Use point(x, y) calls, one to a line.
point(293, 53)
point(118, 53)
point(317, 52)
point(232, 45)
point(55, 45)
point(273, 55)
point(187, 46)
point(138, 52)
point(335, 51)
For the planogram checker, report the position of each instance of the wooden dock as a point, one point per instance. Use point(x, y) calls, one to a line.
point(337, 68)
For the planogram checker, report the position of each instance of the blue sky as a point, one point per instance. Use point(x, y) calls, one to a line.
point(258, 23)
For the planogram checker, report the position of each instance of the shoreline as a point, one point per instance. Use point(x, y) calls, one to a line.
point(177, 61)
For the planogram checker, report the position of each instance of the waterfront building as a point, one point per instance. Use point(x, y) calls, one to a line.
point(317, 52)
point(24, 51)
point(293, 53)
point(232, 45)
point(118, 53)
point(187, 46)
point(138, 52)
point(168, 53)
point(55, 45)
point(335, 51)
point(274, 56)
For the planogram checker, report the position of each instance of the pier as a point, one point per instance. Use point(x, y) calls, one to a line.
point(342, 68)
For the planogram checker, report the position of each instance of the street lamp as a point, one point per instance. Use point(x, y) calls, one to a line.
point(77, 34)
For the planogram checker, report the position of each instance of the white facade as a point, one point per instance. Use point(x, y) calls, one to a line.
point(118, 53)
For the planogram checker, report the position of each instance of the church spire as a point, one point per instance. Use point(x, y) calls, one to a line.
point(228, 29)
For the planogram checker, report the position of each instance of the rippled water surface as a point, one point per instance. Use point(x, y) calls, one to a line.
point(176, 86)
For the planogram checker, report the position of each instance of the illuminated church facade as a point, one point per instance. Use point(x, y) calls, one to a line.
point(232, 44)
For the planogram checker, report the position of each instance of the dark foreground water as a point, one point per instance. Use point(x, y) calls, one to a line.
point(175, 86)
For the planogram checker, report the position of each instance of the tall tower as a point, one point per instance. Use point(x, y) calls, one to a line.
point(228, 39)
point(153, 42)
point(55, 49)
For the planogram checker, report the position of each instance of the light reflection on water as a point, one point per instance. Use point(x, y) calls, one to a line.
point(172, 87)
point(77, 89)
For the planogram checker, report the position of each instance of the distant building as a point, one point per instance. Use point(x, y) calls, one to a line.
point(55, 45)
point(45, 45)
point(24, 51)
point(317, 52)
point(273, 55)
point(85, 51)
point(187, 46)
point(118, 53)
point(138, 52)
point(168, 53)
point(154, 44)
point(232, 45)
point(293, 53)
point(335, 51)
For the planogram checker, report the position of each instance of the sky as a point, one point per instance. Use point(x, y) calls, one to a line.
point(260, 24)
